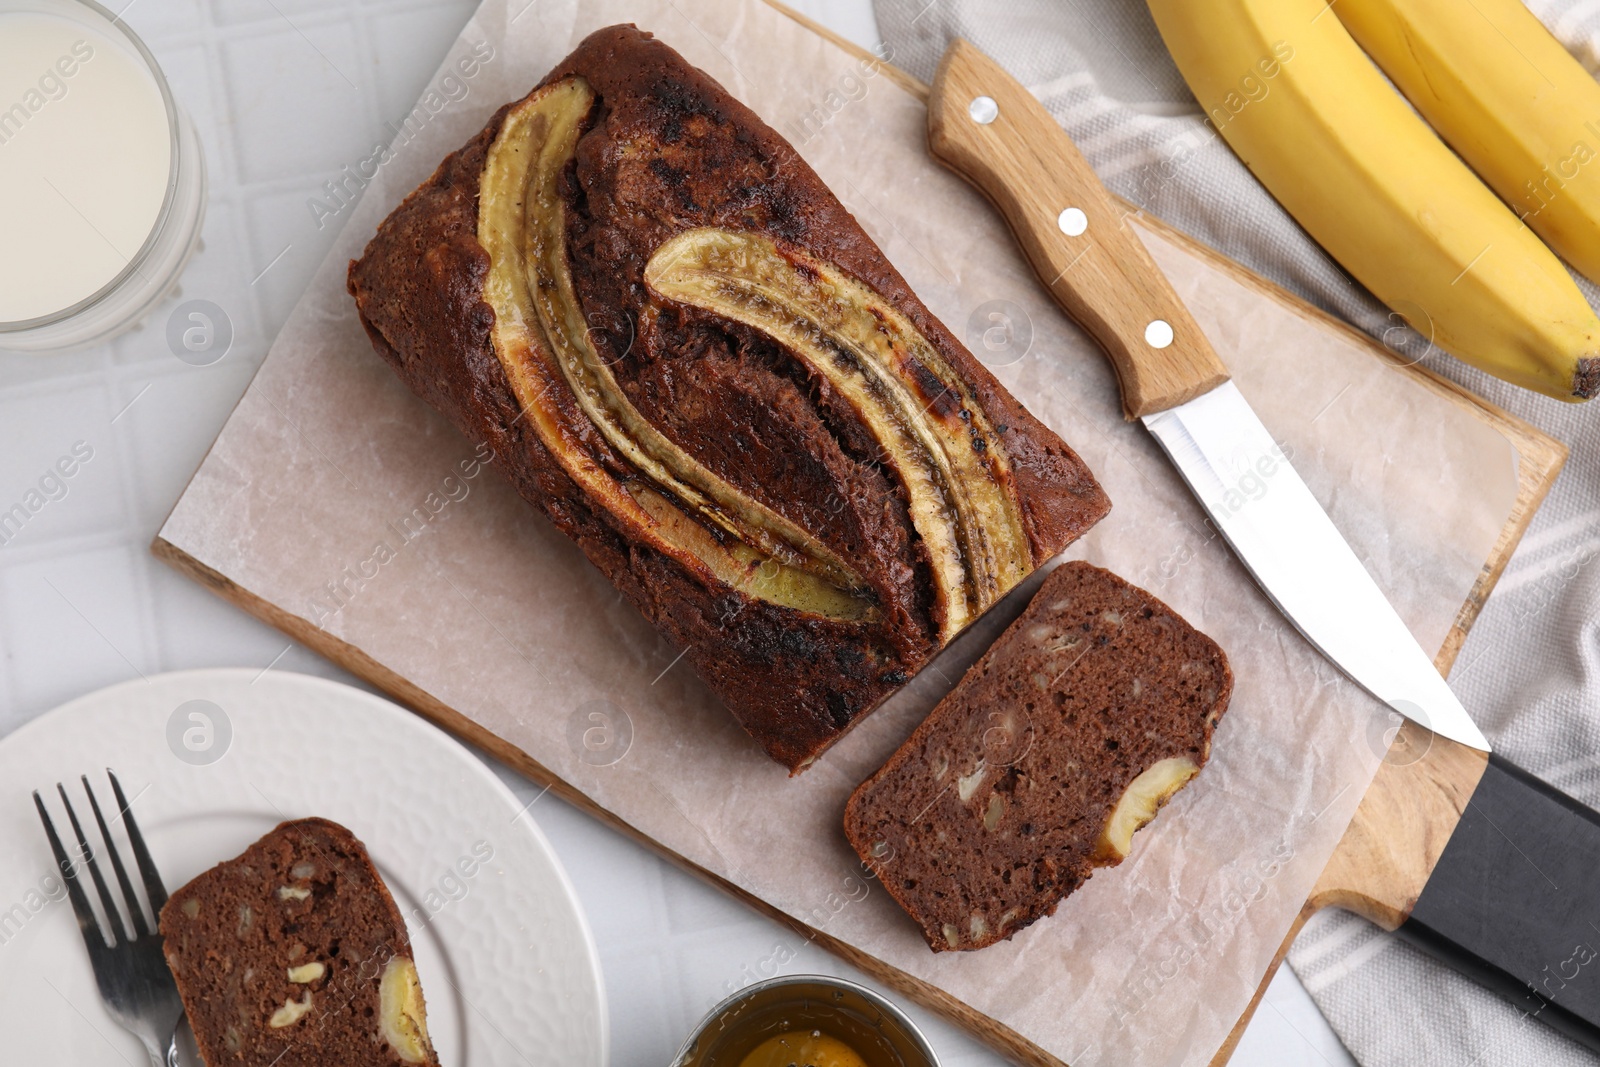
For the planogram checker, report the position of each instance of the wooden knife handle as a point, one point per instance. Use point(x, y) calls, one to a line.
point(992, 132)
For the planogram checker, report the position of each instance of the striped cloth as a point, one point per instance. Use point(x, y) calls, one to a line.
point(1530, 672)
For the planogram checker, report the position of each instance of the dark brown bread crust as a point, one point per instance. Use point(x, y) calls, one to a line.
point(725, 394)
point(737, 172)
point(231, 938)
point(988, 816)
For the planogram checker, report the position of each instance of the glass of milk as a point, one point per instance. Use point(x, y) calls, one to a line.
point(102, 179)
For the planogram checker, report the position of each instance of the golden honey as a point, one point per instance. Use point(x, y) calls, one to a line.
point(802, 1048)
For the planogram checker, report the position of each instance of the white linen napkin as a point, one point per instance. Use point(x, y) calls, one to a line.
point(1530, 671)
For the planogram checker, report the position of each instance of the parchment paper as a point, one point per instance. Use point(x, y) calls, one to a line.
point(336, 496)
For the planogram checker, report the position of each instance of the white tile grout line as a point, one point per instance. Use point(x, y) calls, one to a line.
point(66, 545)
point(127, 472)
point(366, 47)
point(331, 64)
point(89, 623)
point(229, 185)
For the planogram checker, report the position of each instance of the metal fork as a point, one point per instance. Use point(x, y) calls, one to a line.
point(132, 974)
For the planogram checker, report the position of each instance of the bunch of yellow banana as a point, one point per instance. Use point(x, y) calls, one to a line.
point(1293, 93)
point(1508, 97)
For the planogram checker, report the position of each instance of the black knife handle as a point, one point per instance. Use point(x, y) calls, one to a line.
point(1514, 901)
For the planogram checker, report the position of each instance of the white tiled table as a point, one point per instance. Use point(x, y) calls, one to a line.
point(285, 94)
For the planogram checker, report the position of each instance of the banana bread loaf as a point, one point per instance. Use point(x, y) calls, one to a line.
point(686, 353)
point(1087, 714)
point(293, 954)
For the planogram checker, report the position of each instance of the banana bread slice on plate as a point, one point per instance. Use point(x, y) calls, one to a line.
point(293, 954)
point(681, 347)
point(1087, 715)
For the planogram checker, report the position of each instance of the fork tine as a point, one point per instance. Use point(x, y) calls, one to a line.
point(87, 924)
point(135, 909)
point(141, 855)
point(114, 927)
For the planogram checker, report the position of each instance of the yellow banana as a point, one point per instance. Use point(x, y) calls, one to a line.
point(1508, 97)
point(1303, 106)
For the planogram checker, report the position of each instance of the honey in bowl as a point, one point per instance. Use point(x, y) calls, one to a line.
point(802, 1048)
point(806, 1020)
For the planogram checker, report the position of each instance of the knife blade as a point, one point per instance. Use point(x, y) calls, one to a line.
point(989, 129)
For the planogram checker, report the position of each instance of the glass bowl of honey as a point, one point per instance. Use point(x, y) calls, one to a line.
point(808, 1020)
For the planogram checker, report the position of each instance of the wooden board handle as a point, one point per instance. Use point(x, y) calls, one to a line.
point(1483, 866)
point(1389, 850)
point(1511, 900)
point(992, 132)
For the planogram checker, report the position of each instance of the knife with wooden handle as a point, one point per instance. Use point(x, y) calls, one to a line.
point(991, 131)
point(1493, 871)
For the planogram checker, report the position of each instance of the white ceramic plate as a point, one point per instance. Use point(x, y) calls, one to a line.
point(507, 964)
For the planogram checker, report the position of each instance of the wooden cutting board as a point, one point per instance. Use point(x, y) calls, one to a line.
point(1391, 829)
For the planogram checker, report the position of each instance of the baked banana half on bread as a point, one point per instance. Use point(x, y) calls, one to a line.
point(683, 349)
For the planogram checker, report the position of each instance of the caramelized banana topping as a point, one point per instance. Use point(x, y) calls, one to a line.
point(931, 432)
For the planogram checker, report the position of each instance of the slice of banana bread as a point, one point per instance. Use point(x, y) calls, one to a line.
point(1087, 714)
point(294, 955)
